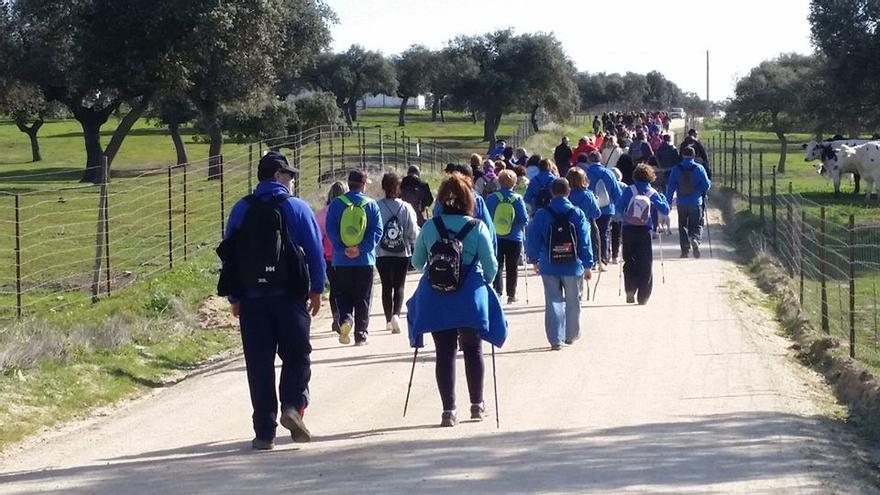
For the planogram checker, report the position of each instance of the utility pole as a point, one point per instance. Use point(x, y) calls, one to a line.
point(707, 77)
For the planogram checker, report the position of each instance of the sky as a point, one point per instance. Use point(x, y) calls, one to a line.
point(670, 36)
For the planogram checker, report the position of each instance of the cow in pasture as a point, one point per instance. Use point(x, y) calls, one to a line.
point(820, 150)
point(863, 160)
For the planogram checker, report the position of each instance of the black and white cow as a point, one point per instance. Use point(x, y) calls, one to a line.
point(863, 159)
point(823, 150)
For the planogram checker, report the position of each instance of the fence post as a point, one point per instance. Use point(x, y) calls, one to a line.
point(222, 199)
point(186, 214)
point(250, 167)
point(731, 177)
point(170, 225)
point(297, 162)
point(107, 223)
point(363, 136)
point(320, 164)
point(852, 286)
point(434, 154)
point(823, 255)
point(332, 154)
point(403, 144)
point(100, 237)
point(724, 159)
point(761, 186)
point(17, 257)
point(801, 255)
point(342, 147)
point(750, 177)
point(789, 218)
point(742, 151)
point(773, 208)
point(381, 150)
point(419, 151)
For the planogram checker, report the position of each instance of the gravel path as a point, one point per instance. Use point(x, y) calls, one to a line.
point(694, 393)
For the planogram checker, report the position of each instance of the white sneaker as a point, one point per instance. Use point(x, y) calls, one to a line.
point(345, 333)
point(395, 324)
point(390, 327)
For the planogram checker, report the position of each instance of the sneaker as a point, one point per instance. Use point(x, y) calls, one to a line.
point(555, 347)
point(262, 444)
point(630, 298)
point(615, 260)
point(684, 254)
point(335, 327)
point(478, 411)
point(389, 327)
point(603, 267)
point(448, 418)
point(345, 333)
point(360, 343)
point(695, 247)
point(395, 324)
point(512, 300)
point(293, 421)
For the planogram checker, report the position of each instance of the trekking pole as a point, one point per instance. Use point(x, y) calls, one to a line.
point(620, 280)
point(495, 383)
point(662, 265)
point(411, 373)
point(525, 264)
point(596, 287)
point(706, 223)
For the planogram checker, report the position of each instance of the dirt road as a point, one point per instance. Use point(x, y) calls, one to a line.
point(694, 393)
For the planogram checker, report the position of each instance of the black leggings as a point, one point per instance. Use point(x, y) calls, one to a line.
point(392, 273)
point(615, 237)
point(446, 342)
point(508, 261)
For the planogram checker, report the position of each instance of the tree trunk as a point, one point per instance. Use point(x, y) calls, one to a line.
point(442, 113)
point(490, 126)
point(534, 119)
point(780, 167)
point(215, 149)
point(401, 119)
point(435, 108)
point(474, 116)
point(138, 107)
point(91, 123)
point(341, 103)
point(353, 110)
point(179, 146)
point(32, 135)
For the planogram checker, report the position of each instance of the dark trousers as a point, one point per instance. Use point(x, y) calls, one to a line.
point(273, 325)
point(604, 223)
point(638, 260)
point(392, 273)
point(331, 298)
point(509, 253)
point(690, 226)
point(615, 238)
point(446, 343)
point(595, 242)
point(354, 297)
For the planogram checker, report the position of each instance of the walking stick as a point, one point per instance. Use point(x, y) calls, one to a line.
point(620, 280)
point(409, 387)
point(662, 266)
point(706, 223)
point(495, 383)
point(596, 287)
point(525, 264)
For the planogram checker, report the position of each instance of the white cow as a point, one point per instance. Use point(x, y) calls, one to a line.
point(863, 159)
point(823, 150)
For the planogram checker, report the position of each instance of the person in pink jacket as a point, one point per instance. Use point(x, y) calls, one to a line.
point(337, 189)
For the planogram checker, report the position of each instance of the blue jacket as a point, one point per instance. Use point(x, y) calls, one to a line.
point(519, 207)
point(595, 173)
point(474, 305)
point(658, 201)
point(372, 236)
point(540, 181)
point(667, 156)
point(301, 226)
point(495, 152)
point(538, 240)
point(480, 213)
point(586, 201)
point(702, 184)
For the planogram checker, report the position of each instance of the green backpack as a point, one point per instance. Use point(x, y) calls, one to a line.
point(505, 214)
point(353, 224)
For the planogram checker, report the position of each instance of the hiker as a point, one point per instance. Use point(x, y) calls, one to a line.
point(562, 155)
point(584, 146)
point(626, 166)
point(538, 193)
point(488, 183)
point(354, 226)
point(636, 203)
point(497, 151)
point(522, 182)
point(509, 215)
point(417, 193)
point(604, 185)
point(532, 168)
point(615, 221)
point(690, 182)
point(559, 246)
point(611, 152)
point(597, 124)
point(582, 198)
point(640, 151)
point(453, 301)
point(399, 231)
point(693, 140)
point(480, 211)
point(520, 157)
point(273, 293)
point(337, 189)
point(507, 157)
point(667, 158)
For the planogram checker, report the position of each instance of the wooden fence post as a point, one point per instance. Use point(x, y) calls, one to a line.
point(773, 216)
point(320, 165)
point(801, 244)
point(381, 150)
point(222, 199)
point(17, 257)
point(250, 167)
point(170, 225)
point(852, 286)
point(186, 213)
point(823, 269)
point(750, 177)
point(107, 224)
point(100, 237)
point(342, 147)
point(761, 187)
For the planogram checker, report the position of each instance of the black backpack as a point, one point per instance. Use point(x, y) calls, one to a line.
point(686, 184)
point(544, 196)
point(445, 269)
point(563, 238)
point(260, 255)
point(392, 234)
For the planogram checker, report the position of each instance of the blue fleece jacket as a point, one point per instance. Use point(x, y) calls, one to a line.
point(658, 201)
point(586, 201)
point(538, 240)
point(521, 217)
point(372, 235)
point(596, 173)
point(542, 180)
point(702, 184)
point(301, 226)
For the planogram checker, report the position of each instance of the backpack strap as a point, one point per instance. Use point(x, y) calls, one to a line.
point(442, 231)
point(468, 227)
point(347, 202)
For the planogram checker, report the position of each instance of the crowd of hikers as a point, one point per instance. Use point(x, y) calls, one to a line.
point(600, 203)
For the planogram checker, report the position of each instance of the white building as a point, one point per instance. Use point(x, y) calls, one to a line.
point(388, 101)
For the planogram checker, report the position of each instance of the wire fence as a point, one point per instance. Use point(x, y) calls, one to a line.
point(831, 255)
point(67, 244)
